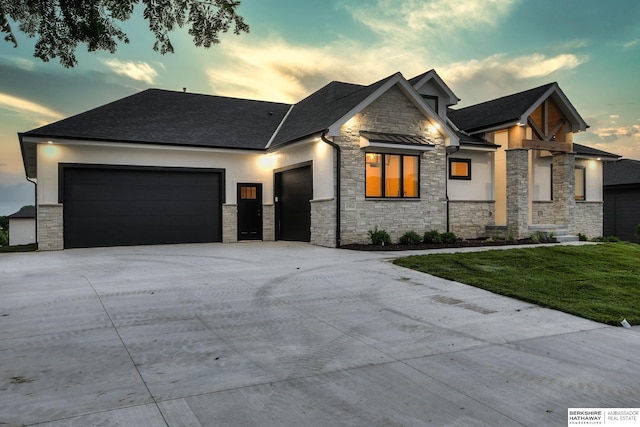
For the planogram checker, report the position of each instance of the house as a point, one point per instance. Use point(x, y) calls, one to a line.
point(22, 226)
point(622, 199)
point(170, 167)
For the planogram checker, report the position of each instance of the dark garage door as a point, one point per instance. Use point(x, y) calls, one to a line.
point(621, 212)
point(294, 190)
point(138, 206)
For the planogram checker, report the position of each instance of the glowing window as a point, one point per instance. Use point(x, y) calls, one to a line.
point(459, 168)
point(391, 175)
point(581, 179)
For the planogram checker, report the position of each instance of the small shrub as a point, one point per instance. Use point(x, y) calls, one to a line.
point(379, 237)
point(449, 237)
point(582, 237)
point(410, 238)
point(432, 236)
point(608, 239)
point(538, 237)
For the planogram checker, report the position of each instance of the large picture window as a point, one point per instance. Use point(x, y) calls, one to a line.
point(391, 175)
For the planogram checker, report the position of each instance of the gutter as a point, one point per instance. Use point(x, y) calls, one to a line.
point(338, 175)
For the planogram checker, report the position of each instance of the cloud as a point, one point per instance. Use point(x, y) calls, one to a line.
point(23, 106)
point(630, 44)
point(140, 71)
point(276, 70)
point(621, 140)
point(498, 75)
point(413, 19)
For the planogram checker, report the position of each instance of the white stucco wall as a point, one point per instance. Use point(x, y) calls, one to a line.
point(22, 231)
point(481, 186)
point(541, 189)
point(593, 169)
point(239, 166)
point(322, 155)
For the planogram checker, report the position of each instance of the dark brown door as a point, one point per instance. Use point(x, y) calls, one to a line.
point(249, 211)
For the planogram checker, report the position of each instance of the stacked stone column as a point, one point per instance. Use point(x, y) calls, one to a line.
point(564, 202)
point(518, 193)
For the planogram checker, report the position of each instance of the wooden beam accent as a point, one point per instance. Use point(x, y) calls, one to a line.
point(533, 144)
point(535, 128)
point(556, 128)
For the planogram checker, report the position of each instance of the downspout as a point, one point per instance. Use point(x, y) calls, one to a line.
point(338, 162)
point(446, 181)
point(35, 200)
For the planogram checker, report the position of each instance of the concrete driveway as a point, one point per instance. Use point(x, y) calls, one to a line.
point(279, 334)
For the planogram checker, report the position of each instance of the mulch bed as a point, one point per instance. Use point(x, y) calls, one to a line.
point(462, 244)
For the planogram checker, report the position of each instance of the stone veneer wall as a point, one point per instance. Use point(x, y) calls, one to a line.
point(469, 219)
point(268, 223)
point(323, 222)
point(589, 217)
point(543, 212)
point(518, 192)
point(564, 201)
point(229, 223)
point(393, 112)
point(50, 227)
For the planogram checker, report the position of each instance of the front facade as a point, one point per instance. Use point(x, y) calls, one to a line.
point(169, 167)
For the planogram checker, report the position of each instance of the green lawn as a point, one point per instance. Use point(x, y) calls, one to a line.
point(599, 282)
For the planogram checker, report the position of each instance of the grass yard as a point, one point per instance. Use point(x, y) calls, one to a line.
point(598, 282)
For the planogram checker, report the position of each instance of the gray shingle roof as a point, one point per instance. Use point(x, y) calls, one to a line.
point(497, 111)
point(594, 152)
point(323, 108)
point(622, 172)
point(175, 118)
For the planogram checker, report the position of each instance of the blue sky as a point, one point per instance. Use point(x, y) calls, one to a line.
point(482, 49)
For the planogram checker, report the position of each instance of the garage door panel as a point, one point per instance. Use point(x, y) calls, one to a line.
point(111, 207)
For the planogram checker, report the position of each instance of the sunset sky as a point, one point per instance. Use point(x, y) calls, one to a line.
point(482, 50)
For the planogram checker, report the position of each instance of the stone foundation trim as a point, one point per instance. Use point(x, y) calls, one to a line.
point(469, 219)
point(229, 223)
point(50, 227)
point(589, 217)
point(323, 222)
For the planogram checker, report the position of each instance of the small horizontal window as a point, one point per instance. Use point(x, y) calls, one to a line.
point(460, 168)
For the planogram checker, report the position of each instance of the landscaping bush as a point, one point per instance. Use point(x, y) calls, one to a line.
point(612, 239)
point(538, 237)
point(379, 237)
point(582, 237)
point(410, 238)
point(449, 237)
point(432, 236)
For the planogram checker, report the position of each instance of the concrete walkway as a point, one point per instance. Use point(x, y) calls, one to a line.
point(283, 334)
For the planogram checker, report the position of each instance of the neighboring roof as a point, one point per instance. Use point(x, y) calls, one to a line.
point(507, 109)
point(26, 212)
point(583, 150)
point(176, 118)
point(622, 172)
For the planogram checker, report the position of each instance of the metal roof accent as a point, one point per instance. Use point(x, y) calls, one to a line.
point(394, 138)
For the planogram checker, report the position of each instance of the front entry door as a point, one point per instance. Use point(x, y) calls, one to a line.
point(249, 211)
